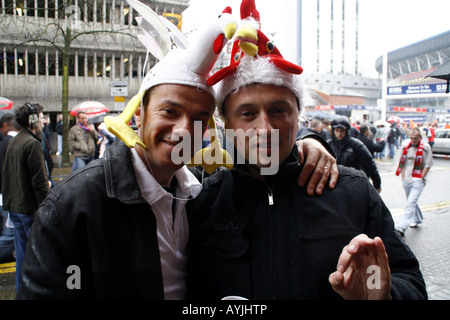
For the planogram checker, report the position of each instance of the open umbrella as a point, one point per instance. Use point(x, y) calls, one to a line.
point(318, 114)
point(442, 72)
point(394, 119)
point(5, 104)
point(91, 108)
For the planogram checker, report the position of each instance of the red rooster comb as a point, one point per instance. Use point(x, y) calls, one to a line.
point(254, 43)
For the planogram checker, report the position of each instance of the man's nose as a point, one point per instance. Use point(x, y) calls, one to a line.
point(182, 126)
point(264, 122)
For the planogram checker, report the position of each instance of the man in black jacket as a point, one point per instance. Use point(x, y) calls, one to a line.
point(259, 236)
point(364, 136)
point(351, 152)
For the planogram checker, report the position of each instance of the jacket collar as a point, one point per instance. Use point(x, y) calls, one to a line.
point(341, 143)
point(37, 136)
point(289, 168)
point(121, 182)
point(188, 186)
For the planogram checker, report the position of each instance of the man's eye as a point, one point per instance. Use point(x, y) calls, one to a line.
point(279, 110)
point(169, 111)
point(246, 114)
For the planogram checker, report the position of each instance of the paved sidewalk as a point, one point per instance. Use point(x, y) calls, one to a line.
point(430, 242)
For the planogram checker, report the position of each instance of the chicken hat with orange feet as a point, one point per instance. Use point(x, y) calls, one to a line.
point(255, 59)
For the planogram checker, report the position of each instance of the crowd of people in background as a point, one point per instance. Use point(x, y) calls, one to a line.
point(16, 210)
point(382, 138)
point(375, 141)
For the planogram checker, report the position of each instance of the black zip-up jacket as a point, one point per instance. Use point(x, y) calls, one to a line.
point(24, 174)
point(97, 228)
point(270, 240)
point(371, 146)
point(351, 152)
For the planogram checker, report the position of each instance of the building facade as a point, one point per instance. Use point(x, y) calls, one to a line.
point(331, 36)
point(410, 94)
point(104, 50)
point(330, 49)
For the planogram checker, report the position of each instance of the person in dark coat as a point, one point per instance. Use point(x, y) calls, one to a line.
point(316, 127)
point(364, 137)
point(25, 182)
point(261, 237)
point(257, 235)
point(351, 152)
point(8, 128)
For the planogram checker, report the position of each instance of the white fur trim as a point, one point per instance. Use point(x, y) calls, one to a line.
point(258, 70)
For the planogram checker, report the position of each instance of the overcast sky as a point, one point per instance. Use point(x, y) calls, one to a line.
point(385, 25)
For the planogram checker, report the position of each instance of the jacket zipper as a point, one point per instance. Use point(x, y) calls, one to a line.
point(274, 242)
point(270, 196)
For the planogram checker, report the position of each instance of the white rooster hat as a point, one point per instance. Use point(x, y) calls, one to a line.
point(188, 64)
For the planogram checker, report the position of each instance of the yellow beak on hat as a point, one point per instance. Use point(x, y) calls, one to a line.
point(230, 30)
point(119, 125)
point(212, 157)
point(248, 38)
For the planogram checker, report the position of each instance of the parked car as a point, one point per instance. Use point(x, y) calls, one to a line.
point(442, 141)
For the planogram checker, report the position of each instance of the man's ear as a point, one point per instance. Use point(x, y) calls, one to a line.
point(137, 117)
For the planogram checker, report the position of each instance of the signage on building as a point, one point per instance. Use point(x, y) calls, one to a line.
point(414, 110)
point(407, 109)
point(323, 107)
point(119, 88)
point(119, 103)
point(418, 89)
point(414, 118)
point(355, 107)
point(175, 18)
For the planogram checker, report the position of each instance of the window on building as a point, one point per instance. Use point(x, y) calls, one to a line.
point(81, 63)
point(7, 7)
point(71, 65)
point(51, 64)
point(90, 66)
point(2, 62)
point(51, 9)
point(31, 58)
point(19, 62)
point(42, 68)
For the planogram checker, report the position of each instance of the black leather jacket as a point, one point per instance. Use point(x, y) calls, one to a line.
point(351, 152)
point(97, 221)
point(371, 146)
point(270, 240)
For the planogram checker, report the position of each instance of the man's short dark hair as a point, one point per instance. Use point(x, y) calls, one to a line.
point(363, 128)
point(23, 113)
point(6, 118)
